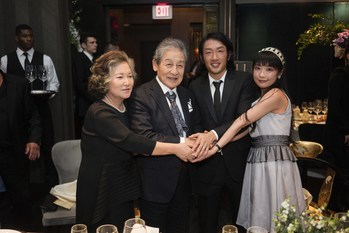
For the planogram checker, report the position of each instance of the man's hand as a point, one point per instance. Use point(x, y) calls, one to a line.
point(183, 151)
point(203, 142)
point(32, 150)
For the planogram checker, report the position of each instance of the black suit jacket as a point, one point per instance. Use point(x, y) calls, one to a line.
point(81, 74)
point(238, 94)
point(151, 116)
point(23, 117)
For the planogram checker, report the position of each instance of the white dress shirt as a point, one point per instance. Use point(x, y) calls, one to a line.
point(52, 79)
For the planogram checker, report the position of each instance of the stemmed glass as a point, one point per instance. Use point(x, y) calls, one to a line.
point(229, 229)
point(255, 229)
point(304, 106)
point(78, 228)
point(30, 74)
point(310, 107)
point(42, 74)
point(135, 225)
point(324, 107)
point(107, 228)
point(317, 107)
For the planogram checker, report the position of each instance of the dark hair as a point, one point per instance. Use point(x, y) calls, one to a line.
point(85, 35)
point(219, 36)
point(21, 27)
point(270, 59)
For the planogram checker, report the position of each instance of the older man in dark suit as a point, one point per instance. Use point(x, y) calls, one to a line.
point(163, 111)
point(222, 94)
point(20, 136)
point(81, 74)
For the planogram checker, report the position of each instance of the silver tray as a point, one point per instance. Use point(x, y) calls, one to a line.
point(42, 92)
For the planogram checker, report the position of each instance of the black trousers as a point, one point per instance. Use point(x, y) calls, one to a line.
point(171, 217)
point(227, 190)
point(15, 174)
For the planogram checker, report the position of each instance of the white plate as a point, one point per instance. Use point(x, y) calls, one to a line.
point(8, 231)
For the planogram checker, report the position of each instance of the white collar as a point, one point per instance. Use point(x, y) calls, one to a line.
point(88, 55)
point(165, 88)
point(213, 80)
point(20, 52)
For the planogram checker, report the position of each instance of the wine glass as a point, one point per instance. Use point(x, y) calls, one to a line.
point(324, 107)
point(343, 219)
point(317, 107)
point(107, 228)
point(304, 106)
point(310, 107)
point(135, 225)
point(229, 229)
point(42, 74)
point(78, 228)
point(30, 74)
point(255, 229)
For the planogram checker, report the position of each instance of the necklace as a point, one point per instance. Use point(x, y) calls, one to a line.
point(110, 103)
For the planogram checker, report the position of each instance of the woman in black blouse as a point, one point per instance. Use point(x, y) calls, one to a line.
point(108, 181)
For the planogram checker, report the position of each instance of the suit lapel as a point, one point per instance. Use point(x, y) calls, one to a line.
point(184, 100)
point(160, 99)
point(205, 88)
point(227, 91)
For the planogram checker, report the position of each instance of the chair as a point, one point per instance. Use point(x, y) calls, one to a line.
point(66, 156)
point(306, 149)
point(318, 177)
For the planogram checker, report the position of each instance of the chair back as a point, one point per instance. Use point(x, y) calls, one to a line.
point(66, 156)
point(318, 177)
point(306, 149)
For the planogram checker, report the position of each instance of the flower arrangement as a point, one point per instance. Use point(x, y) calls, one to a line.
point(308, 222)
point(321, 32)
point(74, 34)
point(342, 38)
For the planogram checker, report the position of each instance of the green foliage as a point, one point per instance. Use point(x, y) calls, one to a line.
point(321, 32)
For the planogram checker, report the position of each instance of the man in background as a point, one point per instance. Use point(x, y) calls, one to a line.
point(15, 63)
point(81, 74)
point(20, 135)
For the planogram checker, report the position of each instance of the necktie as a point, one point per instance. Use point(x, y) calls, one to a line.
point(217, 98)
point(26, 60)
point(177, 116)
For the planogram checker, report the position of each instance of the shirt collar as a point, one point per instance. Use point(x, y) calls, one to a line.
point(222, 78)
point(20, 52)
point(165, 88)
point(88, 55)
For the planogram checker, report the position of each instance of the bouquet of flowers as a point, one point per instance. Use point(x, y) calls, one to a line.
point(342, 38)
point(288, 221)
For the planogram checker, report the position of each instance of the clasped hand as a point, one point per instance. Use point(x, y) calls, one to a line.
point(201, 147)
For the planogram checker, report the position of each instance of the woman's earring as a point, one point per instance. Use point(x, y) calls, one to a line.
point(279, 76)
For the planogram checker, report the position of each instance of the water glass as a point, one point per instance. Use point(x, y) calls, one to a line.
point(107, 228)
point(343, 220)
point(135, 225)
point(78, 228)
point(229, 229)
point(255, 229)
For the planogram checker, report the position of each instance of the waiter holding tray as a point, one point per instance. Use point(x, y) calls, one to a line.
point(38, 68)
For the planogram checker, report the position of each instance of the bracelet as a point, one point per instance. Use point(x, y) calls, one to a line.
point(219, 149)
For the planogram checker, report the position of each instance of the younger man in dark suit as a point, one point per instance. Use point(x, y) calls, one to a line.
point(165, 180)
point(222, 95)
point(81, 74)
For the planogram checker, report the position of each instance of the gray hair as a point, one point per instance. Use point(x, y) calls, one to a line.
point(169, 43)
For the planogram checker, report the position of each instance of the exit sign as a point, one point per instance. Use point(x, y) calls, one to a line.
point(162, 11)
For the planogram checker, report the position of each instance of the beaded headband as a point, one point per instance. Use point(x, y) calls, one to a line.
point(276, 52)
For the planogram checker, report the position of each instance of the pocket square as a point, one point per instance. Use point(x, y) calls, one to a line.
point(190, 106)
